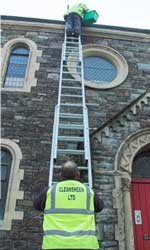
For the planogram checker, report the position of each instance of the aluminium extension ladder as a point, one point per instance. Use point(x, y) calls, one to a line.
point(70, 140)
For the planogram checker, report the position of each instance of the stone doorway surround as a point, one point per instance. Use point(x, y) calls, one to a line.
point(122, 199)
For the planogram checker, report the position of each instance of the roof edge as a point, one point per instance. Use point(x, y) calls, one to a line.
point(40, 20)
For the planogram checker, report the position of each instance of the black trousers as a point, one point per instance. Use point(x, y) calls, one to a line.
point(73, 23)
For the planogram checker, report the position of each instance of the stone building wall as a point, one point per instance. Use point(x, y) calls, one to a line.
point(114, 114)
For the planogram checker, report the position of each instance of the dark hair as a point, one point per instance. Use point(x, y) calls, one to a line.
point(69, 170)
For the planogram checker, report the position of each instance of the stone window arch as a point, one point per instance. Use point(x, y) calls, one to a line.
point(31, 67)
point(13, 192)
point(122, 198)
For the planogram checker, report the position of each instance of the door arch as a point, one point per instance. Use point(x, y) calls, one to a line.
point(122, 193)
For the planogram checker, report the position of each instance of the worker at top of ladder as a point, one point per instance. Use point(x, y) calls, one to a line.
point(73, 19)
point(69, 208)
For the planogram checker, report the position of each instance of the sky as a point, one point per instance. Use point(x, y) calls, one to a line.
point(128, 13)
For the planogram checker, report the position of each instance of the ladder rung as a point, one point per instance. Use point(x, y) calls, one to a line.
point(79, 167)
point(76, 96)
point(71, 115)
point(70, 126)
point(72, 104)
point(66, 66)
point(68, 73)
point(73, 48)
point(70, 151)
point(70, 79)
point(73, 38)
point(72, 53)
point(70, 87)
point(69, 42)
point(71, 138)
point(70, 60)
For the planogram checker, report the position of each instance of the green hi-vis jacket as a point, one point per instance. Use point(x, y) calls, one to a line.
point(80, 9)
point(69, 221)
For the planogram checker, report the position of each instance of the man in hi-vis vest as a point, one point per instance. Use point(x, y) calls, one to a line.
point(74, 17)
point(69, 206)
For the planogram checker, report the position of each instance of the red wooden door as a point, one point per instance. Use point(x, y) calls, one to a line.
point(140, 196)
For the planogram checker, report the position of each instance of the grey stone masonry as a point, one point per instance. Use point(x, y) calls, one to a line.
point(144, 66)
point(28, 118)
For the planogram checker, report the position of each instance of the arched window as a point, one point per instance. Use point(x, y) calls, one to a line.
point(6, 162)
point(141, 163)
point(16, 69)
point(19, 64)
point(10, 178)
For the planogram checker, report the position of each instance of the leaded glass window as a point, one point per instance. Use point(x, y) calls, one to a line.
point(141, 164)
point(99, 69)
point(16, 69)
point(6, 161)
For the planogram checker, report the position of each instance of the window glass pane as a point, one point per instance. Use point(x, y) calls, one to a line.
point(141, 164)
point(16, 69)
point(4, 187)
point(6, 160)
point(14, 82)
point(99, 69)
point(3, 172)
point(2, 205)
point(5, 156)
point(20, 50)
point(18, 59)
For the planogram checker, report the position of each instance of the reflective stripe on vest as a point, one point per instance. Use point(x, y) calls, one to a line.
point(67, 234)
point(68, 211)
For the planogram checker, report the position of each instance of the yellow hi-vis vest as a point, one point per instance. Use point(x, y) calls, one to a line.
point(80, 9)
point(69, 221)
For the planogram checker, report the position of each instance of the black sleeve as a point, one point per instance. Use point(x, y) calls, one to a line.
point(39, 202)
point(98, 203)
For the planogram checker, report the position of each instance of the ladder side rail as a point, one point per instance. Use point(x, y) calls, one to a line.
point(53, 147)
point(64, 46)
point(56, 124)
point(86, 123)
point(82, 72)
point(58, 104)
point(85, 135)
point(65, 41)
point(83, 100)
point(57, 110)
point(87, 145)
point(88, 149)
